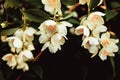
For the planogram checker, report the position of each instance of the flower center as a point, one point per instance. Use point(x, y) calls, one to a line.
point(105, 42)
point(81, 31)
point(51, 27)
point(9, 58)
point(53, 2)
point(95, 17)
point(105, 52)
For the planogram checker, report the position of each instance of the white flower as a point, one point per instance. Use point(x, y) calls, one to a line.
point(15, 43)
point(19, 33)
point(62, 27)
point(109, 46)
point(25, 35)
point(84, 2)
point(23, 66)
point(25, 55)
point(91, 44)
point(11, 60)
point(82, 30)
point(100, 28)
point(55, 44)
point(28, 34)
point(95, 19)
point(104, 52)
point(29, 46)
point(52, 6)
point(53, 34)
point(49, 28)
point(88, 2)
point(106, 40)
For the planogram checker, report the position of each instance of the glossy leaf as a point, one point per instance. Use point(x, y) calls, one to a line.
point(12, 3)
point(113, 66)
point(74, 21)
point(110, 14)
point(115, 5)
point(34, 3)
point(69, 2)
point(93, 3)
point(8, 31)
point(36, 68)
point(36, 15)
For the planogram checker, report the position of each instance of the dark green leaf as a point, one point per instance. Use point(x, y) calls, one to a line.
point(12, 3)
point(74, 21)
point(14, 14)
point(1, 76)
point(118, 47)
point(113, 66)
point(93, 3)
point(34, 3)
point(110, 14)
point(8, 31)
point(115, 4)
point(36, 15)
point(36, 68)
point(69, 2)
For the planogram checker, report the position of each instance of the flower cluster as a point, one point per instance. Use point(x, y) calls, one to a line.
point(53, 34)
point(21, 48)
point(96, 38)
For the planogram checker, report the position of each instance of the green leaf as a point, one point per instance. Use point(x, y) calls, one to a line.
point(34, 3)
point(8, 31)
point(36, 15)
point(115, 4)
point(113, 66)
point(110, 14)
point(93, 3)
point(118, 44)
point(15, 14)
point(74, 21)
point(69, 2)
point(1, 76)
point(36, 68)
point(12, 3)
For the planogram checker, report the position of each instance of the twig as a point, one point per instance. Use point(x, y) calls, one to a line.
point(73, 7)
point(37, 57)
point(19, 77)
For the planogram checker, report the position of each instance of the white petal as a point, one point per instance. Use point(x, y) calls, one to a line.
point(93, 50)
point(105, 35)
point(93, 41)
point(23, 66)
point(82, 30)
point(43, 38)
point(14, 42)
point(54, 49)
point(50, 22)
point(57, 39)
point(11, 60)
point(95, 18)
point(67, 24)
point(101, 1)
point(101, 28)
point(102, 56)
point(17, 43)
point(45, 46)
point(19, 33)
point(62, 29)
point(26, 55)
point(82, 2)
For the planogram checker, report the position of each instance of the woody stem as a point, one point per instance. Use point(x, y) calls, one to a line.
point(37, 57)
